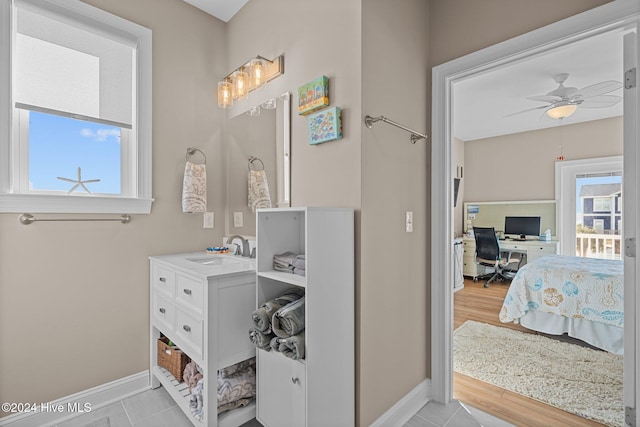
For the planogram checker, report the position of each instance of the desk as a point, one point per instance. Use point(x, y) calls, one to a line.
point(531, 248)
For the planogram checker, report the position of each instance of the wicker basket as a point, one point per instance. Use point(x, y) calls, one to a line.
point(171, 358)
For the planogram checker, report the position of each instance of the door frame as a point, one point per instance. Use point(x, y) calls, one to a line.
point(613, 15)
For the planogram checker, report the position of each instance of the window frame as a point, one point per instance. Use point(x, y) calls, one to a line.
point(602, 201)
point(136, 196)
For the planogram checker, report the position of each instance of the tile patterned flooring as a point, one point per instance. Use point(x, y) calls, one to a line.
point(155, 408)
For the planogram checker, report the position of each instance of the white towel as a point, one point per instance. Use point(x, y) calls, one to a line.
point(258, 190)
point(194, 188)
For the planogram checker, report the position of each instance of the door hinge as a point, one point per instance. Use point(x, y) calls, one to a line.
point(630, 78)
point(630, 247)
point(630, 416)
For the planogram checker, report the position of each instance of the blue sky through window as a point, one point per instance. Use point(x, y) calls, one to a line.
point(59, 145)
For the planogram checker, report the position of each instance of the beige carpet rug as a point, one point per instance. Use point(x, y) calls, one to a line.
point(576, 379)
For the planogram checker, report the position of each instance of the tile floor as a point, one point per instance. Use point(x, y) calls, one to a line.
point(155, 408)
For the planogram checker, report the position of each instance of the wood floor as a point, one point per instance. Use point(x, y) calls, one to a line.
point(475, 302)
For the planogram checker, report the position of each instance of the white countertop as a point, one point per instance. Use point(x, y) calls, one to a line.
point(207, 265)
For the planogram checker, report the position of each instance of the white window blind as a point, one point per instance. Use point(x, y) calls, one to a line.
point(61, 68)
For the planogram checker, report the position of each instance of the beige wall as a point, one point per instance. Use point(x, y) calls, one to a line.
point(522, 166)
point(71, 292)
point(74, 299)
point(395, 353)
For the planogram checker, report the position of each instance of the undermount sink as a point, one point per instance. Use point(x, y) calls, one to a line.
point(215, 260)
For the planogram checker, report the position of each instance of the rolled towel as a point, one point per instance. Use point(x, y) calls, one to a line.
point(289, 320)
point(275, 344)
point(293, 347)
point(262, 316)
point(260, 339)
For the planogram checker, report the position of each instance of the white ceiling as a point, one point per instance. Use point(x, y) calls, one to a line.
point(480, 103)
point(221, 9)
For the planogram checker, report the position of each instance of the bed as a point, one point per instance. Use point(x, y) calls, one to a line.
point(583, 297)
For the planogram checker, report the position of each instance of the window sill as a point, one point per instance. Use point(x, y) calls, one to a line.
point(21, 203)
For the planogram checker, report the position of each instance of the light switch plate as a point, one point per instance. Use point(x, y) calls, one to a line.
point(208, 220)
point(409, 221)
point(237, 219)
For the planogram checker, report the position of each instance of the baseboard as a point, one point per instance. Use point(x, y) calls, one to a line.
point(49, 414)
point(407, 407)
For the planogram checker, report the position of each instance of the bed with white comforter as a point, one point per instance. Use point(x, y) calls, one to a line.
point(582, 297)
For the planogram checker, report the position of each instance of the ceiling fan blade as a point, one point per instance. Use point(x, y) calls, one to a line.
point(545, 98)
point(601, 101)
point(597, 89)
point(527, 110)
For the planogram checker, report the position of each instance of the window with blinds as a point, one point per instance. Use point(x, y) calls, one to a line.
point(79, 85)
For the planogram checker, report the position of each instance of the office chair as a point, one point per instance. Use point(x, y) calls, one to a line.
point(488, 254)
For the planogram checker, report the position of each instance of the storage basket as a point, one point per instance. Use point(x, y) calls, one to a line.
point(171, 358)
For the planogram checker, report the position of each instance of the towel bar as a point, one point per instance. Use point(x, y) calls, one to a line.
point(27, 219)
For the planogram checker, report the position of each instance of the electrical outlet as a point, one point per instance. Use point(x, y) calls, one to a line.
point(207, 220)
point(409, 221)
point(237, 219)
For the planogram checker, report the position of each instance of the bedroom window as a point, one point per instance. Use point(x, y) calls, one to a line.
point(76, 133)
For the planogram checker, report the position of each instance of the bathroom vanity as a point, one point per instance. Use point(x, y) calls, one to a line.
point(203, 303)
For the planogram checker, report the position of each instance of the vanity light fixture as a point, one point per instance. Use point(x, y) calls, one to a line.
point(248, 77)
point(561, 110)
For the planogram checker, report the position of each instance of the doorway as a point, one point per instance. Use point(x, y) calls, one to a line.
point(623, 15)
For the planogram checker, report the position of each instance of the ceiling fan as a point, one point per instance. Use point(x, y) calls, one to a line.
point(564, 101)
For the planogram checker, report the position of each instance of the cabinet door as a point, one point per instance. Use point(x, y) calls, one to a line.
point(281, 391)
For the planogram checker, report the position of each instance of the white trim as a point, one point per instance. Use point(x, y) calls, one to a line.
point(613, 15)
point(405, 408)
point(94, 398)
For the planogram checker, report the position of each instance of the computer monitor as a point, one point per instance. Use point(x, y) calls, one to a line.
point(522, 226)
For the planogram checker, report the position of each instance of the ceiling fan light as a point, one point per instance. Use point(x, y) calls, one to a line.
point(561, 111)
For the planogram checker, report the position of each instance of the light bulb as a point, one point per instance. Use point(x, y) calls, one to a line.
point(225, 94)
point(256, 73)
point(240, 84)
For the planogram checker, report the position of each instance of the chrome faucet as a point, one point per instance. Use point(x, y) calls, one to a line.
point(245, 245)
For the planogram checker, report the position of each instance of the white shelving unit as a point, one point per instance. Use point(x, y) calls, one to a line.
point(319, 390)
point(207, 316)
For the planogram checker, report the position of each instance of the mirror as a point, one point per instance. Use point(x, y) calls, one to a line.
point(266, 137)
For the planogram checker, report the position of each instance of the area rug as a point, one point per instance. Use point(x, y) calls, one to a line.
point(576, 379)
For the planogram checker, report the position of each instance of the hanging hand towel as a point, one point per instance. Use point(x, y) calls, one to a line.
point(258, 190)
point(194, 188)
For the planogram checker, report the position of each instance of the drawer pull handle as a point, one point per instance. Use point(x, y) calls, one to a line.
point(295, 380)
point(187, 291)
point(186, 328)
point(162, 310)
point(163, 279)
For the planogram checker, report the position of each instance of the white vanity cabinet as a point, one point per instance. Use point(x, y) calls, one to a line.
point(206, 311)
point(318, 391)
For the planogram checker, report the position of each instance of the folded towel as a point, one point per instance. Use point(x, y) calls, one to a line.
point(260, 339)
point(287, 269)
point(239, 386)
point(285, 259)
point(262, 316)
point(258, 190)
point(194, 188)
point(191, 374)
point(293, 347)
point(299, 262)
point(289, 320)
point(196, 400)
point(299, 271)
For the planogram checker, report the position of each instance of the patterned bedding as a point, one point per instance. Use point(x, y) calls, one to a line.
point(583, 288)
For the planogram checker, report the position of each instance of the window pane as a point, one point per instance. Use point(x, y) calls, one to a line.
point(58, 146)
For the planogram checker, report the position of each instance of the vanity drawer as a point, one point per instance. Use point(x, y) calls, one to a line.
point(164, 312)
point(163, 280)
point(190, 293)
point(190, 329)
